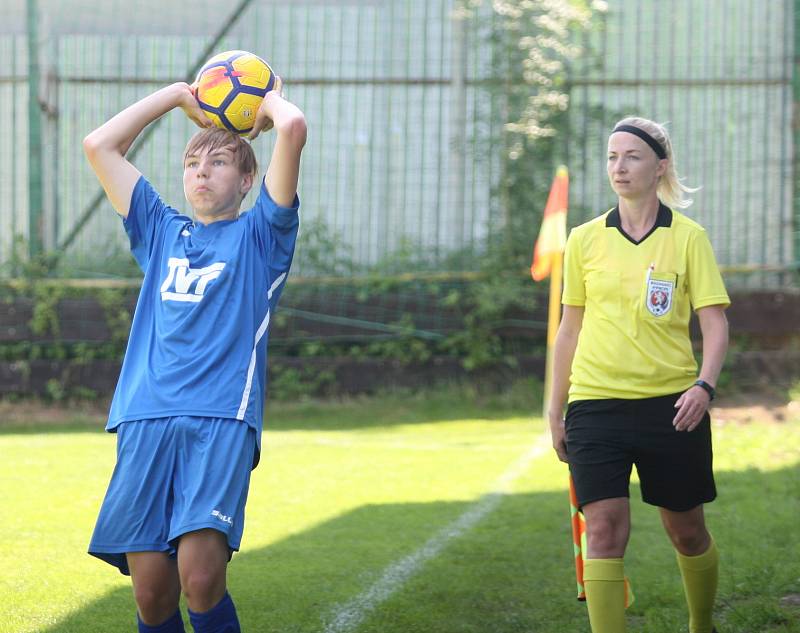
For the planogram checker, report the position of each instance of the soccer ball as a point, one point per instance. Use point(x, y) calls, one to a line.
point(230, 87)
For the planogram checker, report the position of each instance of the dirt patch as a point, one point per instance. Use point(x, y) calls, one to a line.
point(791, 600)
point(742, 408)
point(737, 408)
point(32, 412)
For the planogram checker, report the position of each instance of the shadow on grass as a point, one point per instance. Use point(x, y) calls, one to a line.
point(511, 572)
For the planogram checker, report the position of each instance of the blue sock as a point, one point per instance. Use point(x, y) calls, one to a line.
point(173, 625)
point(221, 619)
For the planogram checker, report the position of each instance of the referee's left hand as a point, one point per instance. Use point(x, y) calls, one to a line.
point(691, 407)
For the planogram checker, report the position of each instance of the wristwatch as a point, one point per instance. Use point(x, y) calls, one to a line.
point(708, 388)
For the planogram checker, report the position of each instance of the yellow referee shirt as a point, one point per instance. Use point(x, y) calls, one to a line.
point(637, 297)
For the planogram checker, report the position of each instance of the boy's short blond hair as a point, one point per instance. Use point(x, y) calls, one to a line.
point(213, 138)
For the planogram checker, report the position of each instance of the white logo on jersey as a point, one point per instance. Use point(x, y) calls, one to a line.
point(187, 284)
point(222, 517)
point(659, 296)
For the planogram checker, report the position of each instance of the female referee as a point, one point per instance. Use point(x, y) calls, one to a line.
point(623, 359)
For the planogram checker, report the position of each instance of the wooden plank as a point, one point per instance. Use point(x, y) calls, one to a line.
point(32, 377)
point(350, 375)
point(768, 316)
point(359, 376)
point(14, 319)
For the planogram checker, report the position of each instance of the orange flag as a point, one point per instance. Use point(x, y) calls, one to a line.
point(578, 538)
point(579, 547)
point(553, 234)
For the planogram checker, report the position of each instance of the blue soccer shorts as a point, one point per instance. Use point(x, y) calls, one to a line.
point(174, 475)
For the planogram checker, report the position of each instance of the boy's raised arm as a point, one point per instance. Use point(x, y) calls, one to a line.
point(106, 146)
point(283, 171)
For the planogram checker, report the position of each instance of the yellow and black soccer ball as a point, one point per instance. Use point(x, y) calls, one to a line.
point(230, 88)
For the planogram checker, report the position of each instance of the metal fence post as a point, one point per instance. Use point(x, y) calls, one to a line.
point(458, 117)
point(796, 138)
point(35, 193)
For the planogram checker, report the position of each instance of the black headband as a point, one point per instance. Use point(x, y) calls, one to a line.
point(653, 143)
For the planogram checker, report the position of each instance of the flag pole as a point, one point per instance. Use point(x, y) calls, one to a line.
point(553, 321)
point(548, 260)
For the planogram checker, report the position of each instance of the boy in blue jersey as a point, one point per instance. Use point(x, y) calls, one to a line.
point(188, 405)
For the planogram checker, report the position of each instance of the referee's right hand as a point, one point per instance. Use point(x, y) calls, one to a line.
point(558, 434)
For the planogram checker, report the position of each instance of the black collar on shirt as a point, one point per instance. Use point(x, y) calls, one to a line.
point(663, 218)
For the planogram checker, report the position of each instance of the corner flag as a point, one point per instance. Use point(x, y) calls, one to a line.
point(547, 262)
point(547, 254)
point(553, 234)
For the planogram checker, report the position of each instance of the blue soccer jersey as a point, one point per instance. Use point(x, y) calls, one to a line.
point(198, 342)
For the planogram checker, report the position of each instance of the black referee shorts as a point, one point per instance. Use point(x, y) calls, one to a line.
point(606, 437)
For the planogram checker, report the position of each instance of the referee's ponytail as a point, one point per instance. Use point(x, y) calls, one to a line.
point(670, 189)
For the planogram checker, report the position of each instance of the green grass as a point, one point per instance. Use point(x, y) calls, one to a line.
point(345, 490)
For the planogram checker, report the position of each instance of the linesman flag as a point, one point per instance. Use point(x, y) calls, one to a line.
point(579, 547)
point(578, 538)
point(553, 234)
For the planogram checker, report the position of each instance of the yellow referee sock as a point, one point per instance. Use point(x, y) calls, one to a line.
point(604, 583)
point(700, 574)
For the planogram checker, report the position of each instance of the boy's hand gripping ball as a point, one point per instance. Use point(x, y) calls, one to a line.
point(230, 87)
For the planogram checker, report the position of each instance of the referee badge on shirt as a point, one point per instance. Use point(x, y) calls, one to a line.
point(660, 290)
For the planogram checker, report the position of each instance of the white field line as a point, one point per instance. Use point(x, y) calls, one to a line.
point(348, 616)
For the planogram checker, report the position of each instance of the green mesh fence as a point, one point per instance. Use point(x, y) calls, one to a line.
point(405, 160)
point(375, 79)
point(721, 74)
